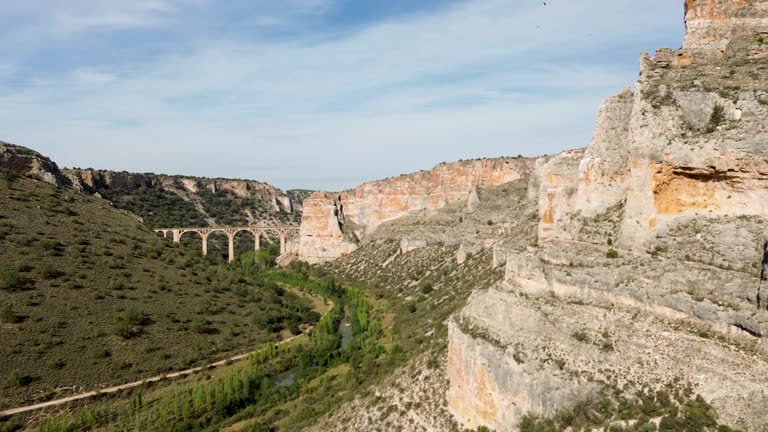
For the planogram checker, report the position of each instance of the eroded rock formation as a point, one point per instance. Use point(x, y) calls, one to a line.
point(90, 180)
point(649, 245)
point(349, 216)
point(20, 160)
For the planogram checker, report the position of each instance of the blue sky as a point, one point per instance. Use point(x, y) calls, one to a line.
point(319, 94)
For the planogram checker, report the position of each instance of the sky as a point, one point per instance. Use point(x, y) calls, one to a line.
point(316, 94)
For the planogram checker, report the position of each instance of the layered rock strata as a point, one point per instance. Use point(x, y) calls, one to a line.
point(92, 181)
point(349, 216)
point(651, 239)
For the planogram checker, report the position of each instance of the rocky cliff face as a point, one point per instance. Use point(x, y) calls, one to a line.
point(90, 180)
point(207, 201)
point(649, 245)
point(712, 24)
point(22, 161)
point(690, 142)
point(321, 235)
point(332, 224)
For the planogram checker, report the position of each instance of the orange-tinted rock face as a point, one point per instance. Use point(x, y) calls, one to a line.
point(472, 395)
point(558, 181)
point(711, 23)
point(677, 192)
point(371, 204)
point(321, 237)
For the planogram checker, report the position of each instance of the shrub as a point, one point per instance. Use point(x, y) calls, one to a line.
point(18, 378)
point(129, 325)
point(50, 273)
point(433, 363)
point(135, 317)
point(8, 315)
point(581, 336)
point(67, 211)
point(716, 118)
point(11, 280)
point(426, 288)
point(10, 178)
point(202, 326)
point(104, 353)
point(126, 331)
point(57, 363)
point(612, 253)
point(294, 329)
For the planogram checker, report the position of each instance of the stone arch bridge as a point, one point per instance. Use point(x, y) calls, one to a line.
point(282, 232)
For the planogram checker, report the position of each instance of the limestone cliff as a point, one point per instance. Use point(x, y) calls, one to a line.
point(332, 223)
point(23, 161)
point(321, 235)
point(712, 24)
point(649, 245)
point(690, 142)
point(206, 201)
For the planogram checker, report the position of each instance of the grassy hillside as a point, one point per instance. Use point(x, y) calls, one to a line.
point(90, 296)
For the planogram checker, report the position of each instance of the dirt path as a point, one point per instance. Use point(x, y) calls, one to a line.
point(131, 385)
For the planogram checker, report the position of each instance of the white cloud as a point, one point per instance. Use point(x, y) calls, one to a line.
point(482, 79)
point(90, 76)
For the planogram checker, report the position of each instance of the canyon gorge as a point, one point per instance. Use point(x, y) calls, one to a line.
point(645, 266)
point(621, 284)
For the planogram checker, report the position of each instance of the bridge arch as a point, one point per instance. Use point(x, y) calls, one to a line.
point(231, 232)
point(182, 232)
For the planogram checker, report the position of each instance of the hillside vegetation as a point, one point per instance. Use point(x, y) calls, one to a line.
point(172, 201)
point(89, 296)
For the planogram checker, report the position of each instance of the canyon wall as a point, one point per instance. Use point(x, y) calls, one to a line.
point(321, 237)
point(647, 265)
point(164, 200)
point(712, 24)
point(90, 180)
point(689, 142)
point(332, 224)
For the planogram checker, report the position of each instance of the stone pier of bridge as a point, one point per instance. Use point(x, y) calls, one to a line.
point(282, 232)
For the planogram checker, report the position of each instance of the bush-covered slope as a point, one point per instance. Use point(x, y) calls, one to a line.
point(171, 201)
point(89, 296)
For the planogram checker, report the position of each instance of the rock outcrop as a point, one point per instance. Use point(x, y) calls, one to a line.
point(22, 161)
point(206, 201)
point(91, 181)
point(712, 24)
point(690, 142)
point(321, 236)
point(649, 245)
point(360, 211)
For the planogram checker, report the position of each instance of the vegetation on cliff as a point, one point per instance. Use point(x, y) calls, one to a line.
point(171, 201)
point(673, 408)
